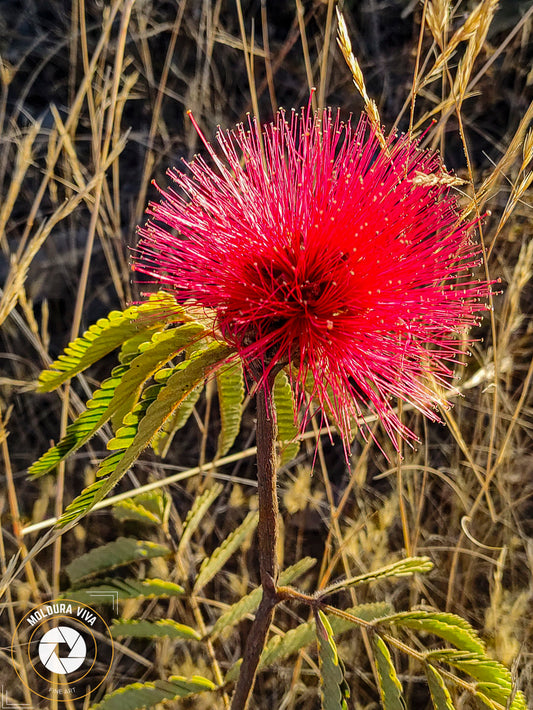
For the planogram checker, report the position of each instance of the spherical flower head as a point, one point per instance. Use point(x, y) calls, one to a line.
point(323, 251)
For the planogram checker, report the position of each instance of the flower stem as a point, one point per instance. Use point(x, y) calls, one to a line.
point(268, 538)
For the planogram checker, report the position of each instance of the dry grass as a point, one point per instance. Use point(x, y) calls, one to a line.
point(93, 101)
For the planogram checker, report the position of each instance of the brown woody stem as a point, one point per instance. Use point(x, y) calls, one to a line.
point(268, 532)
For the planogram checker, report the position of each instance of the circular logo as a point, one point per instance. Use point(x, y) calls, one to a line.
point(67, 650)
point(52, 641)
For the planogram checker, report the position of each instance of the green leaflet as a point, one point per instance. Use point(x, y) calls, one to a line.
point(170, 395)
point(153, 354)
point(85, 501)
point(221, 555)
point(402, 568)
point(494, 680)
point(439, 692)
point(333, 687)
point(285, 417)
point(163, 439)
point(390, 688)
point(125, 434)
point(146, 695)
point(163, 628)
point(450, 627)
point(130, 348)
point(118, 394)
point(249, 603)
point(107, 334)
point(121, 551)
point(279, 647)
point(127, 510)
point(230, 386)
point(83, 428)
point(110, 590)
point(519, 702)
point(282, 646)
point(152, 507)
point(197, 513)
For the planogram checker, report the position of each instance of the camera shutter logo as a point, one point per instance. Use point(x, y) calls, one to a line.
point(53, 640)
point(67, 650)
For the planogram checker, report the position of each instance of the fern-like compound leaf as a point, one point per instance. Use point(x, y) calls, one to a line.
point(121, 551)
point(402, 568)
point(143, 424)
point(390, 688)
point(333, 688)
point(230, 387)
point(162, 628)
point(197, 513)
point(107, 334)
point(440, 696)
point(119, 393)
point(161, 348)
point(494, 682)
point(249, 603)
point(109, 591)
point(286, 418)
point(450, 627)
point(221, 555)
point(90, 421)
point(147, 695)
point(152, 507)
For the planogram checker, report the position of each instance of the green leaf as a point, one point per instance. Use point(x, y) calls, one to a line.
point(83, 428)
point(439, 692)
point(152, 507)
point(221, 555)
point(390, 688)
point(121, 551)
point(163, 346)
point(119, 393)
point(125, 434)
point(163, 439)
point(333, 687)
point(402, 568)
point(494, 680)
point(197, 513)
point(146, 695)
point(286, 417)
point(127, 510)
point(450, 627)
point(230, 387)
point(170, 396)
point(130, 348)
point(162, 628)
point(107, 334)
point(488, 702)
point(85, 501)
point(519, 701)
point(111, 590)
point(280, 647)
point(249, 603)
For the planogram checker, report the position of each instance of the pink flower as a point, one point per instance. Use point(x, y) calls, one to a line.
point(319, 248)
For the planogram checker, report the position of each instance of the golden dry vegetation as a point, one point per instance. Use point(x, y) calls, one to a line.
point(93, 101)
